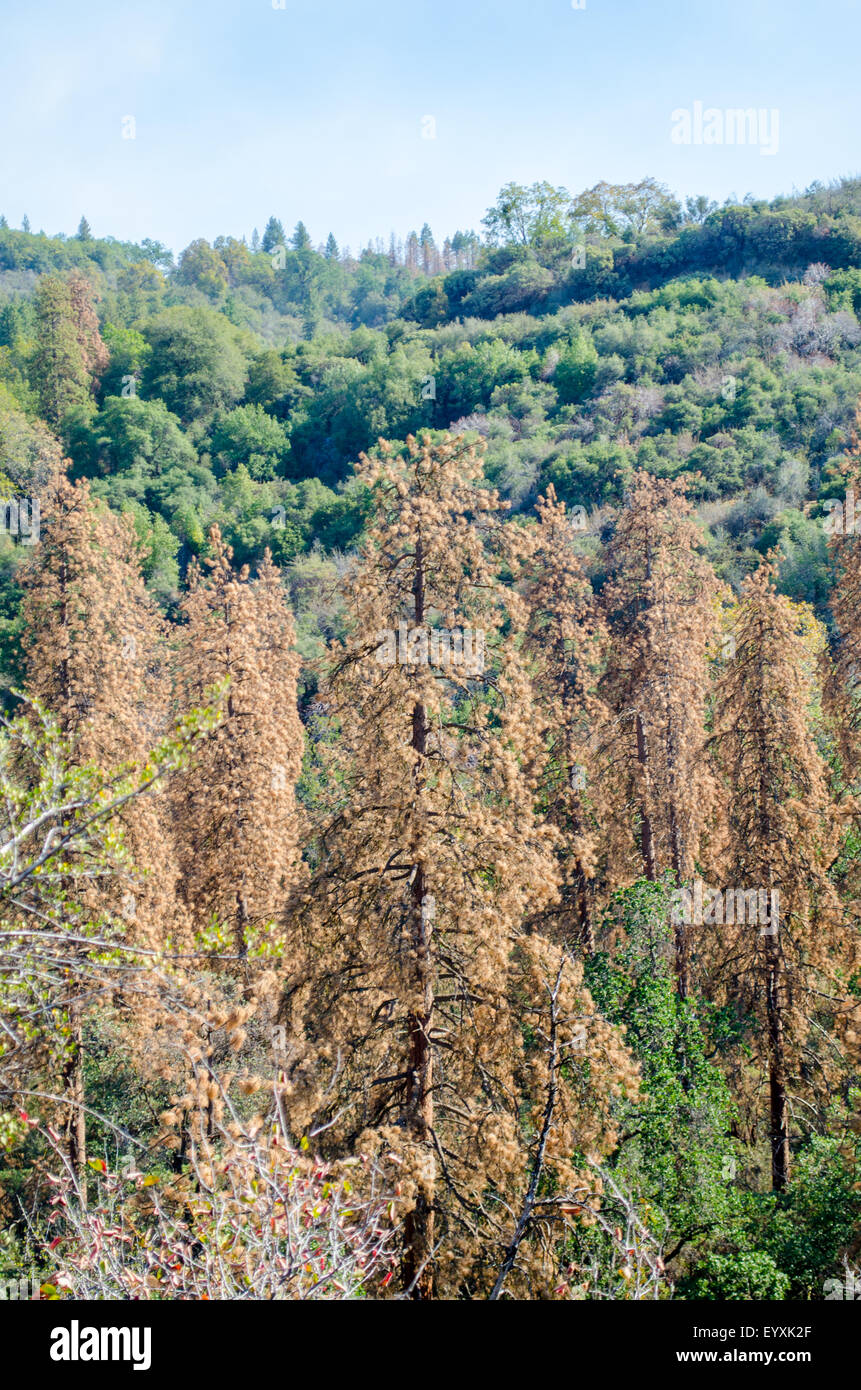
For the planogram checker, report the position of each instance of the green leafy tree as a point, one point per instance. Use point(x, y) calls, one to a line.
point(612, 210)
point(525, 215)
point(748, 1275)
point(202, 267)
point(196, 364)
point(574, 375)
point(128, 351)
point(130, 434)
point(248, 435)
point(273, 235)
point(59, 371)
point(274, 384)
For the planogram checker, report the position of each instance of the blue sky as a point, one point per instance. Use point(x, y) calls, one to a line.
point(316, 110)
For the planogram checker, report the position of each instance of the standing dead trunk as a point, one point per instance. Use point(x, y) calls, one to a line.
point(681, 935)
point(647, 839)
point(779, 1106)
point(417, 1269)
point(587, 932)
point(585, 929)
point(73, 1070)
point(73, 1089)
point(419, 1223)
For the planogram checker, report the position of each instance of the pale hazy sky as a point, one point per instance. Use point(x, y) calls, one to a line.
point(317, 110)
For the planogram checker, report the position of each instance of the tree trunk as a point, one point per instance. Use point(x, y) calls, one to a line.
point(779, 1107)
point(682, 937)
point(778, 1124)
point(419, 1223)
point(677, 855)
point(584, 906)
point(587, 933)
point(417, 1269)
point(647, 839)
point(73, 1070)
point(73, 1090)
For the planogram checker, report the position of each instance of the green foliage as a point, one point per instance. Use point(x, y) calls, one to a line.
point(195, 364)
point(787, 1245)
point(159, 548)
point(469, 375)
point(676, 1153)
point(273, 383)
point(749, 1275)
point(574, 376)
point(129, 352)
point(202, 267)
point(248, 435)
point(808, 1229)
point(59, 374)
point(527, 214)
point(128, 436)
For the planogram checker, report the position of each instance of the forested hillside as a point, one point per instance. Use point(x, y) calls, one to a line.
point(431, 857)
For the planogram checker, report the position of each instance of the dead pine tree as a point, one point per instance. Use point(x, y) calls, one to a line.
point(787, 968)
point(662, 606)
point(94, 656)
point(842, 690)
point(410, 1017)
point(565, 644)
point(238, 824)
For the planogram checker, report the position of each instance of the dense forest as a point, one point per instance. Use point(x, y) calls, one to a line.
point(431, 714)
